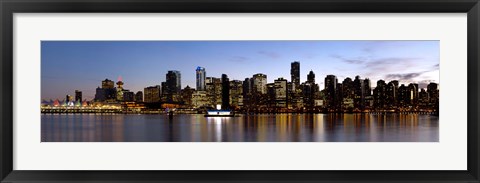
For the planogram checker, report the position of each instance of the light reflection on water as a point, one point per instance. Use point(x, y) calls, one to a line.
point(249, 128)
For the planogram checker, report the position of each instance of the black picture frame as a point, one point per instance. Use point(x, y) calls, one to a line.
point(9, 7)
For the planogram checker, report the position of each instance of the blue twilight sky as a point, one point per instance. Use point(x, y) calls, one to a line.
point(82, 65)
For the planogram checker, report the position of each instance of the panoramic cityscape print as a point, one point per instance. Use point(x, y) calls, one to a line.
point(240, 91)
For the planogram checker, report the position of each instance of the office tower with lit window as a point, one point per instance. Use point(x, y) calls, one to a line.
point(295, 74)
point(200, 73)
point(259, 83)
point(152, 94)
point(280, 86)
point(330, 90)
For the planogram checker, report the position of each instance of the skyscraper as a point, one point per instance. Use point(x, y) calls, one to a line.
point(173, 86)
point(107, 92)
point(107, 84)
point(359, 91)
point(213, 86)
point(379, 95)
point(128, 96)
point(174, 83)
point(236, 93)
point(330, 89)
point(152, 94)
point(139, 96)
point(311, 77)
point(295, 74)
point(433, 94)
point(225, 92)
point(78, 95)
point(260, 83)
point(280, 92)
point(201, 73)
point(120, 90)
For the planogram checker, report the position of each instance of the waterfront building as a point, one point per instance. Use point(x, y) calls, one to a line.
point(402, 96)
point(200, 73)
point(348, 92)
point(367, 87)
point(236, 94)
point(339, 96)
point(330, 89)
point(433, 94)
point(119, 90)
point(108, 84)
point(379, 95)
point(295, 74)
point(78, 95)
point(260, 83)
point(391, 94)
point(269, 98)
point(173, 86)
point(186, 94)
point(423, 98)
point(100, 95)
point(308, 91)
point(213, 87)
point(107, 93)
point(152, 94)
point(280, 86)
point(128, 96)
point(412, 94)
point(200, 99)
point(139, 96)
point(225, 92)
point(359, 91)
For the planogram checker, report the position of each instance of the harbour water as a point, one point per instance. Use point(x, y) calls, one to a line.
point(390, 127)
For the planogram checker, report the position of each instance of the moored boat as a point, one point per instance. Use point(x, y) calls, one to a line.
point(219, 113)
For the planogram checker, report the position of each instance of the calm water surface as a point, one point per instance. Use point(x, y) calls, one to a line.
point(251, 128)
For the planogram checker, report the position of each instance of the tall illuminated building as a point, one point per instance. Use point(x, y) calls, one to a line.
point(201, 73)
point(173, 86)
point(433, 94)
point(330, 89)
point(236, 93)
point(108, 84)
point(107, 92)
point(280, 87)
point(260, 83)
point(380, 95)
point(152, 94)
point(173, 81)
point(359, 91)
point(295, 74)
point(120, 89)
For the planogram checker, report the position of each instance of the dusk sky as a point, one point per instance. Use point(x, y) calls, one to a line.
point(82, 65)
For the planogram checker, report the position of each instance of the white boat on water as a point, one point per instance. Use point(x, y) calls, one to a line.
point(219, 112)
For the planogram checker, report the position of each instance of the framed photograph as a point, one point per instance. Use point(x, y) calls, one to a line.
point(234, 91)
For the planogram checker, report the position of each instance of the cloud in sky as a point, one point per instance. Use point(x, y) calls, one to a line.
point(358, 60)
point(403, 77)
point(270, 54)
point(240, 59)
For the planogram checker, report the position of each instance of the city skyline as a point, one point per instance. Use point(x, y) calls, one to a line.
point(145, 63)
